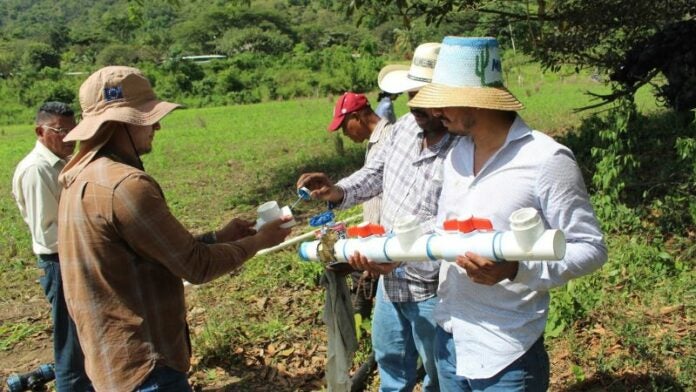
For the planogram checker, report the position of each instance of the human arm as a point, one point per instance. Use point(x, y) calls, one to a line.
point(565, 205)
point(360, 186)
point(367, 182)
point(321, 187)
point(144, 222)
point(234, 230)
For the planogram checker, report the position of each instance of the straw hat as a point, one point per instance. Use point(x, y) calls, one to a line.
point(117, 93)
point(396, 78)
point(468, 73)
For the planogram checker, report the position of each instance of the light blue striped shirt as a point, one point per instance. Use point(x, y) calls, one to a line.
point(494, 325)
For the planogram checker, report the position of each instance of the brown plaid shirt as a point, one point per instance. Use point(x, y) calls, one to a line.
point(123, 257)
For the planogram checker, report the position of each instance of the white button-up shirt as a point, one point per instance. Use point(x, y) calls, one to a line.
point(492, 326)
point(35, 188)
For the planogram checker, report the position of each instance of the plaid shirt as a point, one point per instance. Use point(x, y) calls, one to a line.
point(123, 256)
point(410, 179)
point(372, 209)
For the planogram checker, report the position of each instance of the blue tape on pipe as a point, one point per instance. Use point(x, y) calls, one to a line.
point(321, 219)
point(429, 251)
point(303, 253)
point(497, 242)
point(384, 248)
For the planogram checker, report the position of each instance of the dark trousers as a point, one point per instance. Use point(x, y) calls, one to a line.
point(67, 353)
point(165, 379)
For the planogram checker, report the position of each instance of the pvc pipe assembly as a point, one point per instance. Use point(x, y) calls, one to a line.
point(528, 240)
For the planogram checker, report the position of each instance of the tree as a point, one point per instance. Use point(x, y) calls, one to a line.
point(606, 36)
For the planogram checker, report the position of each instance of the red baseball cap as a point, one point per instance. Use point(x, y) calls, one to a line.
point(347, 103)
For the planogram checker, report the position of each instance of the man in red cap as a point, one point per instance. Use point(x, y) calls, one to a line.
point(354, 115)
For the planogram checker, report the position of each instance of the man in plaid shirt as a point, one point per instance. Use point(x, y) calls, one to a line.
point(407, 170)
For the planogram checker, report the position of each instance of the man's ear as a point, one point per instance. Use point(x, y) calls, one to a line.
point(39, 131)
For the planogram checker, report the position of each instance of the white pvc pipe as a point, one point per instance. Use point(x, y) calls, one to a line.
point(291, 241)
point(494, 245)
point(527, 241)
point(300, 238)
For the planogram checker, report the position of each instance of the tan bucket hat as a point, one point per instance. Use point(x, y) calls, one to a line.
point(397, 78)
point(117, 93)
point(468, 73)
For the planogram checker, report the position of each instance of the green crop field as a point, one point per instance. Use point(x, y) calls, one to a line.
point(629, 326)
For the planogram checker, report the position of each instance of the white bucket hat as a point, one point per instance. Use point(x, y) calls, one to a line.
point(468, 73)
point(396, 78)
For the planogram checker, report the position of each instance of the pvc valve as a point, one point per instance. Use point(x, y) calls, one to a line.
point(365, 230)
point(468, 225)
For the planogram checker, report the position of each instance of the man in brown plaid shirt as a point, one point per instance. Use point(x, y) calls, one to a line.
point(123, 254)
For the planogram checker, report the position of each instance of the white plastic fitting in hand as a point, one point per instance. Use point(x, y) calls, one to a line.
point(528, 241)
point(270, 211)
point(526, 224)
point(407, 230)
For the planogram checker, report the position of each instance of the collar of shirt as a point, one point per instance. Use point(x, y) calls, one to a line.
point(518, 130)
point(47, 154)
point(433, 149)
point(376, 134)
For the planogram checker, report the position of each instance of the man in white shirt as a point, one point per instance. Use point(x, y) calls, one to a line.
point(35, 188)
point(491, 315)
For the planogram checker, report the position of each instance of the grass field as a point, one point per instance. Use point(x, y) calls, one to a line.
point(262, 327)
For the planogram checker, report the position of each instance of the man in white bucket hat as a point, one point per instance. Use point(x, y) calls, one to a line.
point(408, 171)
point(491, 315)
point(123, 254)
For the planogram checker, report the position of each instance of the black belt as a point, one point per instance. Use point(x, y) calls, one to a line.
point(49, 257)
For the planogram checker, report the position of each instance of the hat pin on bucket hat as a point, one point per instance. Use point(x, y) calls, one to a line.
point(117, 93)
point(468, 73)
point(398, 78)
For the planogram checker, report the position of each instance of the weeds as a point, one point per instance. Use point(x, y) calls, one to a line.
point(629, 326)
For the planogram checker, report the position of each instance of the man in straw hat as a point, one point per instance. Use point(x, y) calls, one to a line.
point(123, 254)
point(491, 315)
point(408, 172)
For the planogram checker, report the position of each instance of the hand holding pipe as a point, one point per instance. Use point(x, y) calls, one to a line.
point(528, 240)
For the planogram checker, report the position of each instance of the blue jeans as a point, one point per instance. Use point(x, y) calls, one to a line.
point(401, 331)
point(67, 353)
point(165, 379)
point(529, 373)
